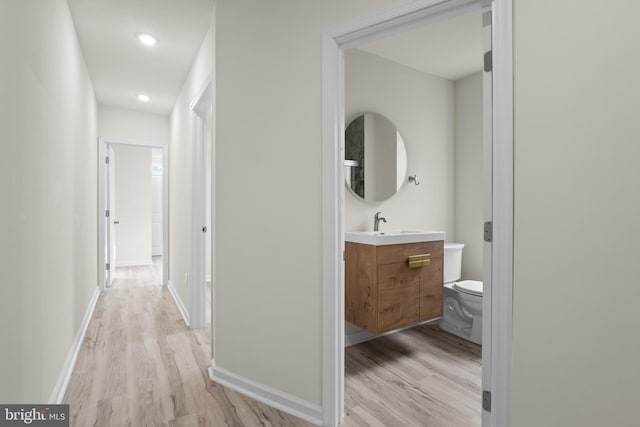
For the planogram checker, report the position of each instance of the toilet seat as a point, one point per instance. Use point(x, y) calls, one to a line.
point(471, 287)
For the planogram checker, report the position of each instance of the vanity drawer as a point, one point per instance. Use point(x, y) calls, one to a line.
point(390, 254)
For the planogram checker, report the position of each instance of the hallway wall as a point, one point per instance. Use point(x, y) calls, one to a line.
point(119, 123)
point(48, 219)
point(576, 214)
point(268, 186)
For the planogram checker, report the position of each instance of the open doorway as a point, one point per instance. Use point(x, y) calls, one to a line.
point(498, 204)
point(133, 206)
point(413, 224)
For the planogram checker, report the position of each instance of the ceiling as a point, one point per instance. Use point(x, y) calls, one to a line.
point(121, 67)
point(451, 49)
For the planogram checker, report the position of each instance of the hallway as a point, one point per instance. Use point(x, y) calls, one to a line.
point(140, 365)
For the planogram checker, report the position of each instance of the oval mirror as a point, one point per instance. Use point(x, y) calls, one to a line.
point(375, 157)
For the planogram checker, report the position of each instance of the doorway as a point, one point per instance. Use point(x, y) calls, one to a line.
point(202, 267)
point(155, 239)
point(157, 172)
point(496, 351)
point(414, 145)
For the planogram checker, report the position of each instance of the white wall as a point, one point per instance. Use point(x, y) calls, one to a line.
point(119, 123)
point(577, 210)
point(180, 182)
point(422, 108)
point(48, 223)
point(268, 186)
point(132, 208)
point(468, 171)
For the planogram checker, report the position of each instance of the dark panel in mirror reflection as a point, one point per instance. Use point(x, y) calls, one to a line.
point(354, 150)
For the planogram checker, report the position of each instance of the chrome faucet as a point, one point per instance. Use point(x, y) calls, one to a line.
point(376, 221)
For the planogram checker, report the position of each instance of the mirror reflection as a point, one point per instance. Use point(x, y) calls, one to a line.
point(375, 158)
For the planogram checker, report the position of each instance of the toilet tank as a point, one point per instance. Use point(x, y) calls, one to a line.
point(452, 261)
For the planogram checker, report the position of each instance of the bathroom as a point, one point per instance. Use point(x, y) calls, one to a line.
point(426, 84)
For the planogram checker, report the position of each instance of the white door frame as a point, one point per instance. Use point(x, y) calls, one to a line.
point(388, 21)
point(199, 108)
point(110, 202)
point(103, 142)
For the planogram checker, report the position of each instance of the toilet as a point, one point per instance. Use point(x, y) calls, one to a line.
point(462, 311)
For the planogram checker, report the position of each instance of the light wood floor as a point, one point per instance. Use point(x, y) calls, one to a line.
point(140, 365)
point(420, 377)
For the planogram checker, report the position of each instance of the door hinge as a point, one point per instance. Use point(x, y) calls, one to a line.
point(488, 231)
point(107, 213)
point(344, 255)
point(488, 61)
point(108, 266)
point(486, 400)
point(106, 160)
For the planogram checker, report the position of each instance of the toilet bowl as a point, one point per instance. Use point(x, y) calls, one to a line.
point(462, 311)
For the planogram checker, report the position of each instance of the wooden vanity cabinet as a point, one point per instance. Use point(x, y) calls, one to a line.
point(392, 286)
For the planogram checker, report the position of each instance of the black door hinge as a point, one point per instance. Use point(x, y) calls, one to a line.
point(486, 400)
point(488, 61)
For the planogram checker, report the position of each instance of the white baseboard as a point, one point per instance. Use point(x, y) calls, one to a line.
point(280, 400)
point(133, 263)
point(63, 380)
point(178, 301)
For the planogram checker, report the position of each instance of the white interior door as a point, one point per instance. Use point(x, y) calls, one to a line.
point(200, 228)
point(156, 212)
point(111, 223)
point(487, 125)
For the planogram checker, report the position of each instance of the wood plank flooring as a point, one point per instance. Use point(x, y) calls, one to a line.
point(420, 377)
point(140, 365)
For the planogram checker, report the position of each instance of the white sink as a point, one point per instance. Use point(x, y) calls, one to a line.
point(392, 237)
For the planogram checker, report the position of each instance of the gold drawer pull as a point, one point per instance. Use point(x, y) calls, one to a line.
point(416, 261)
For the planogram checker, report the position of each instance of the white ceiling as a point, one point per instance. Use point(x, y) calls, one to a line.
point(120, 67)
point(451, 49)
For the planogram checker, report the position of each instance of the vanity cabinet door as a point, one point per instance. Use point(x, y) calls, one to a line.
point(431, 290)
point(398, 296)
point(361, 295)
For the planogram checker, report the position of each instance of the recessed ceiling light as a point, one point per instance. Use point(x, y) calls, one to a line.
point(147, 39)
point(143, 98)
